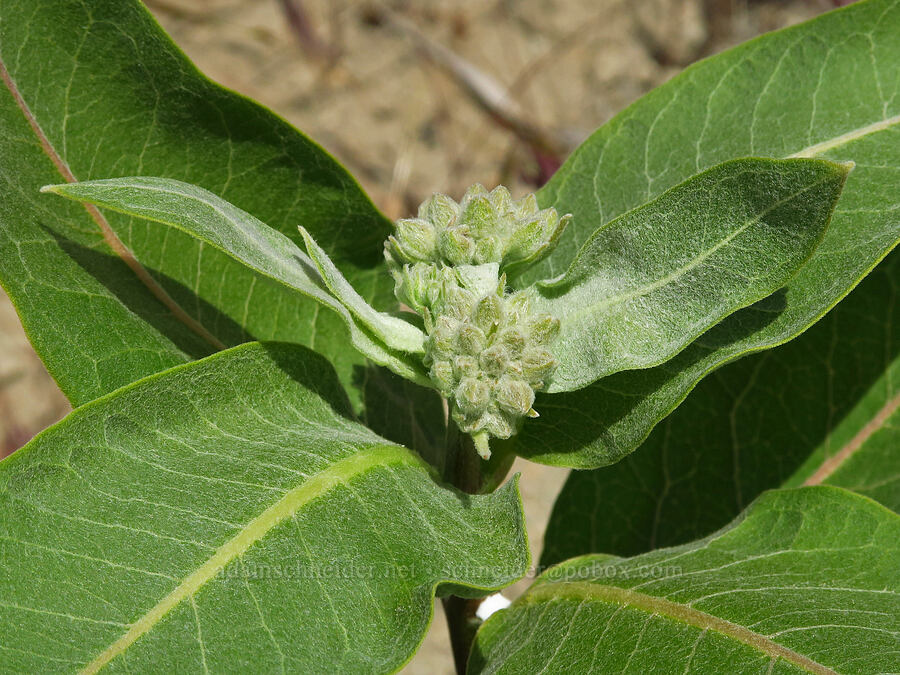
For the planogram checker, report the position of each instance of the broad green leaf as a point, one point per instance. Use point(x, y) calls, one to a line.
point(212, 220)
point(804, 582)
point(647, 284)
point(771, 419)
point(97, 90)
point(829, 88)
point(225, 515)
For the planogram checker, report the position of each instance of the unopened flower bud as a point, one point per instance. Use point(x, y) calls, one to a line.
point(493, 360)
point(513, 340)
point(465, 366)
point(443, 336)
point(415, 240)
point(488, 313)
point(514, 396)
point(472, 396)
point(440, 210)
point(470, 340)
point(537, 364)
point(544, 329)
point(497, 425)
point(456, 247)
point(480, 217)
point(501, 199)
point(458, 303)
point(489, 249)
point(442, 375)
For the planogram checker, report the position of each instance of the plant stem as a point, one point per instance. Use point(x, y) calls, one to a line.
point(462, 623)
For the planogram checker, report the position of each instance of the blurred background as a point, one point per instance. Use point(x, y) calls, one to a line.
point(417, 96)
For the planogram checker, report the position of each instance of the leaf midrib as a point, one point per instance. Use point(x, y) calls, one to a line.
point(697, 260)
point(586, 591)
point(848, 137)
point(112, 239)
point(837, 460)
point(315, 486)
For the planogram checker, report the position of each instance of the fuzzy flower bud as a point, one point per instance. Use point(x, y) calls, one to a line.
point(484, 227)
point(498, 349)
point(487, 350)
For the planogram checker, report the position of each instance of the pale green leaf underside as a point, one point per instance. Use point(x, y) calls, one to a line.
point(647, 284)
point(773, 417)
point(393, 331)
point(829, 88)
point(226, 513)
point(806, 581)
point(246, 239)
point(97, 90)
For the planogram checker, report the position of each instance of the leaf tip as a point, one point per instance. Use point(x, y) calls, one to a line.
point(52, 188)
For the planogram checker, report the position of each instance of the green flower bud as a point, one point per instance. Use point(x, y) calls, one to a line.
point(489, 249)
point(465, 366)
point(501, 200)
point(488, 313)
point(514, 396)
point(458, 303)
point(442, 375)
point(497, 424)
point(470, 340)
point(440, 210)
point(543, 329)
point(517, 306)
point(472, 396)
point(493, 360)
point(442, 338)
point(537, 365)
point(421, 285)
point(525, 207)
point(415, 240)
point(531, 237)
point(513, 341)
point(456, 247)
point(479, 215)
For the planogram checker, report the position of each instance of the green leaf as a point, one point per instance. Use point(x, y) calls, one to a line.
point(212, 220)
point(394, 332)
point(225, 513)
point(104, 93)
point(804, 582)
point(771, 419)
point(647, 284)
point(781, 95)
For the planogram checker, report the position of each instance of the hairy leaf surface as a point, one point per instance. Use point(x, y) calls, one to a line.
point(647, 284)
point(781, 95)
point(96, 90)
point(771, 419)
point(226, 514)
point(804, 582)
point(212, 220)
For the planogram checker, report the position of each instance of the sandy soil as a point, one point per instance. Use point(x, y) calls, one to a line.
point(356, 77)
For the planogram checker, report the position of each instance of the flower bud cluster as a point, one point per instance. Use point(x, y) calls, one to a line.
point(485, 227)
point(487, 349)
point(489, 354)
